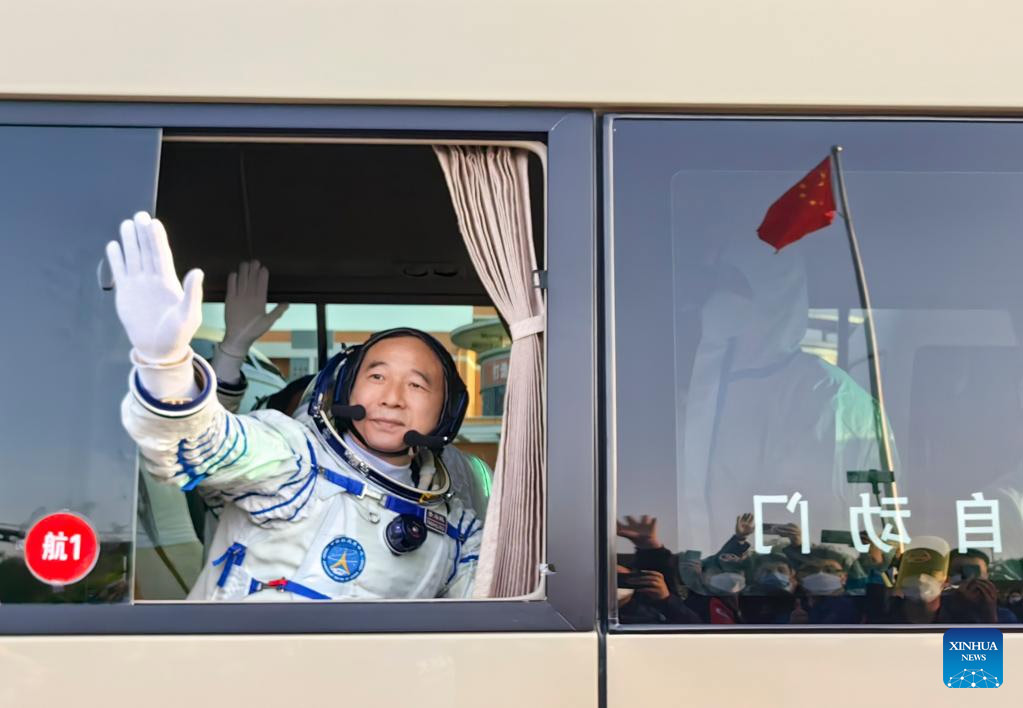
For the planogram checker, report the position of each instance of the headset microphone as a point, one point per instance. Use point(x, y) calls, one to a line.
point(414, 438)
point(355, 412)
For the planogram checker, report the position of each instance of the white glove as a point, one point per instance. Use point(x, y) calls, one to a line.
point(245, 318)
point(159, 316)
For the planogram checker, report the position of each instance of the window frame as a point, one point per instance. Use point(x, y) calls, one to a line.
point(571, 394)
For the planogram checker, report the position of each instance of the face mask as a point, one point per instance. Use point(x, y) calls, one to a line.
point(924, 588)
point(625, 594)
point(822, 583)
point(1015, 600)
point(776, 581)
point(727, 583)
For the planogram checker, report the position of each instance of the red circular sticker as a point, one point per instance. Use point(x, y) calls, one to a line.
point(61, 548)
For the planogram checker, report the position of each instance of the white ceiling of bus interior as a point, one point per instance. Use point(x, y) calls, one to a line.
point(353, 223)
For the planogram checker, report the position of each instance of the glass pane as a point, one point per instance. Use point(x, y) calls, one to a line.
point(776, 501)
point(63, 192)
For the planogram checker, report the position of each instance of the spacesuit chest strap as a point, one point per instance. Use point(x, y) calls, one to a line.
point(235, 556)
point(433, 520)
point(285, 585)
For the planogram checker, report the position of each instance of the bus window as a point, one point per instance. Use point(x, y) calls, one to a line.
point(346, 223)
point(175, 529)
point(62, 193)
point(767, 471)
point(393, 234)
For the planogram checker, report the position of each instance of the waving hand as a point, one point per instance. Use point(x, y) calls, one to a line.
point(159, 314)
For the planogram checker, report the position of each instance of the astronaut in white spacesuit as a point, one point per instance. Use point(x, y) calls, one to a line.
point(350, 499)
point(763, 417)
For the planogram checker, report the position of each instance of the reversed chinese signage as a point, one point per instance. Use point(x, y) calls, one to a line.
point(977, 522)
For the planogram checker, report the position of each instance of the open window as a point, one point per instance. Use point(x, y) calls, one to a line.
point(70, 176)
point(357, 238)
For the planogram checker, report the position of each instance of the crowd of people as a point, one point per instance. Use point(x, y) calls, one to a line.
point(927, 582)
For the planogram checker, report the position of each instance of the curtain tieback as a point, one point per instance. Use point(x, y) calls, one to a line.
point(527, 327)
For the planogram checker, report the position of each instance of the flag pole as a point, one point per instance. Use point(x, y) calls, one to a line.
point(881, 416)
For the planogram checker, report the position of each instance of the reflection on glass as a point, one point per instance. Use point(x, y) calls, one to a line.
point(783, 512)
point(764, 414)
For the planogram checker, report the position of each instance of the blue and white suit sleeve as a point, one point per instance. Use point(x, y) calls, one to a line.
point(231, 395)
point(467, 555)
point(258, 462)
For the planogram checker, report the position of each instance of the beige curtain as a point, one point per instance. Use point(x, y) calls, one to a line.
point(490, 192)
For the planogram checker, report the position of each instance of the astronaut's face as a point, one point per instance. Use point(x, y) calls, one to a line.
point(401, 385)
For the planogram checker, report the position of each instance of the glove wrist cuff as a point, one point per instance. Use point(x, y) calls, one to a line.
point(227, 365)
point(167, 382)
point(233, 350)
point(170, 362)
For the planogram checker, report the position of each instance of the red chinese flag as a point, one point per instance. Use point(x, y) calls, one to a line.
point(808, 206)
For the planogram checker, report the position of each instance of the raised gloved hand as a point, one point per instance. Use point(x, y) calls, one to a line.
point(159, 314)
point(245, 318)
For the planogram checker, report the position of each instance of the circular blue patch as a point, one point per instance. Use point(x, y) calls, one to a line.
point(343, 559)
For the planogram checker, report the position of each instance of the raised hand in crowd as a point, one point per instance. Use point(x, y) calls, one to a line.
point(642, 532)
point(744, 525)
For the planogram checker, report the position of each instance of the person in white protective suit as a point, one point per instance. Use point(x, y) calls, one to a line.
point(762, 417)
point(350, 499)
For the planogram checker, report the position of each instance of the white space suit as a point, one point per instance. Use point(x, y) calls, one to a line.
point(299, 520)
point(762, 416)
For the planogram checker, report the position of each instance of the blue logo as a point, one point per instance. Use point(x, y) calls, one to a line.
point(343, 559)
point(973, 658)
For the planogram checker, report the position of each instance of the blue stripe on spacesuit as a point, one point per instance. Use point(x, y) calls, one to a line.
point(285, 585)
point(400, 506)
point(234, 443)
point(352, 486)
point(470, 531)
point(190, 467)
point(302, 505)
point(234, 555)
point(187, 468)
point(205, 440)
point(391, 503)
point(310, 478)
point(200, 457)
point(194, 481)
point(270, 495)
point(205, 452)
point(461, 537)
point(291, 481)
point(454, 566)
point(287, 483)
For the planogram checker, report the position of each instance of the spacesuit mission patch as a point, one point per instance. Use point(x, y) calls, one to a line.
point(343, 559)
